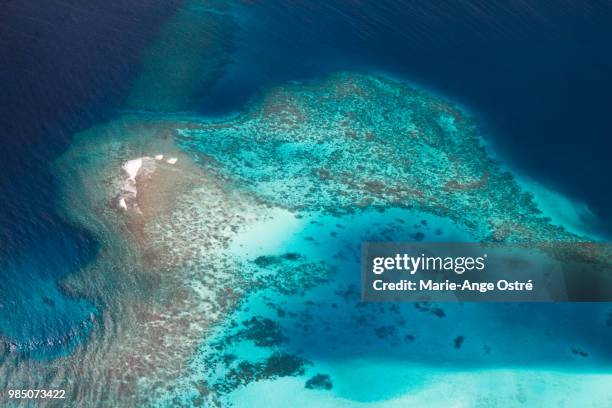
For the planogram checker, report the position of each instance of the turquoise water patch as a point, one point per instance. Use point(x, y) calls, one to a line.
point(317, 259)
point(356, 158)
point(355, 141)
point(249, 267)
point(396, 349)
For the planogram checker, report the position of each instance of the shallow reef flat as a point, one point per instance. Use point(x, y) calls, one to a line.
point(317, 340)
point(355, 141)
point(160, 278)
point(229, 253)
point(332, 154)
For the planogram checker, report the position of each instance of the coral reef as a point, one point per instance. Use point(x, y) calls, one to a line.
point(354, 141)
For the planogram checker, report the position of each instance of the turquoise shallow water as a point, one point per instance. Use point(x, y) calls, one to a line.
point(339, 154)
point(381, 353)
point(231, 276)
point(233, 279)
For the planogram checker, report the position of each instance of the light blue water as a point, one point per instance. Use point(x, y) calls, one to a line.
point(38, 317)
point(465, 50)
point(330, 329)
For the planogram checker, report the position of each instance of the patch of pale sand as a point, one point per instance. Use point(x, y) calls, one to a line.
point(131, 167)
point(399, 385)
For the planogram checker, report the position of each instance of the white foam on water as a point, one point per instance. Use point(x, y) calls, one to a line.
point(159, 157)
point(172, 160)
point(131, 167)
point(128, 190)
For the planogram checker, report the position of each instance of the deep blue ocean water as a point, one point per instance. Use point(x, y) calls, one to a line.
point(64, 67)
point(535, 75)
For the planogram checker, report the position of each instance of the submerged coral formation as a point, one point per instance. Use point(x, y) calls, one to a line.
point(338, 147)
point(319, 381)
point(355, 141)
point(230, 247)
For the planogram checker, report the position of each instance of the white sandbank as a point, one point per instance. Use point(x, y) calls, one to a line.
point(131, 167)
